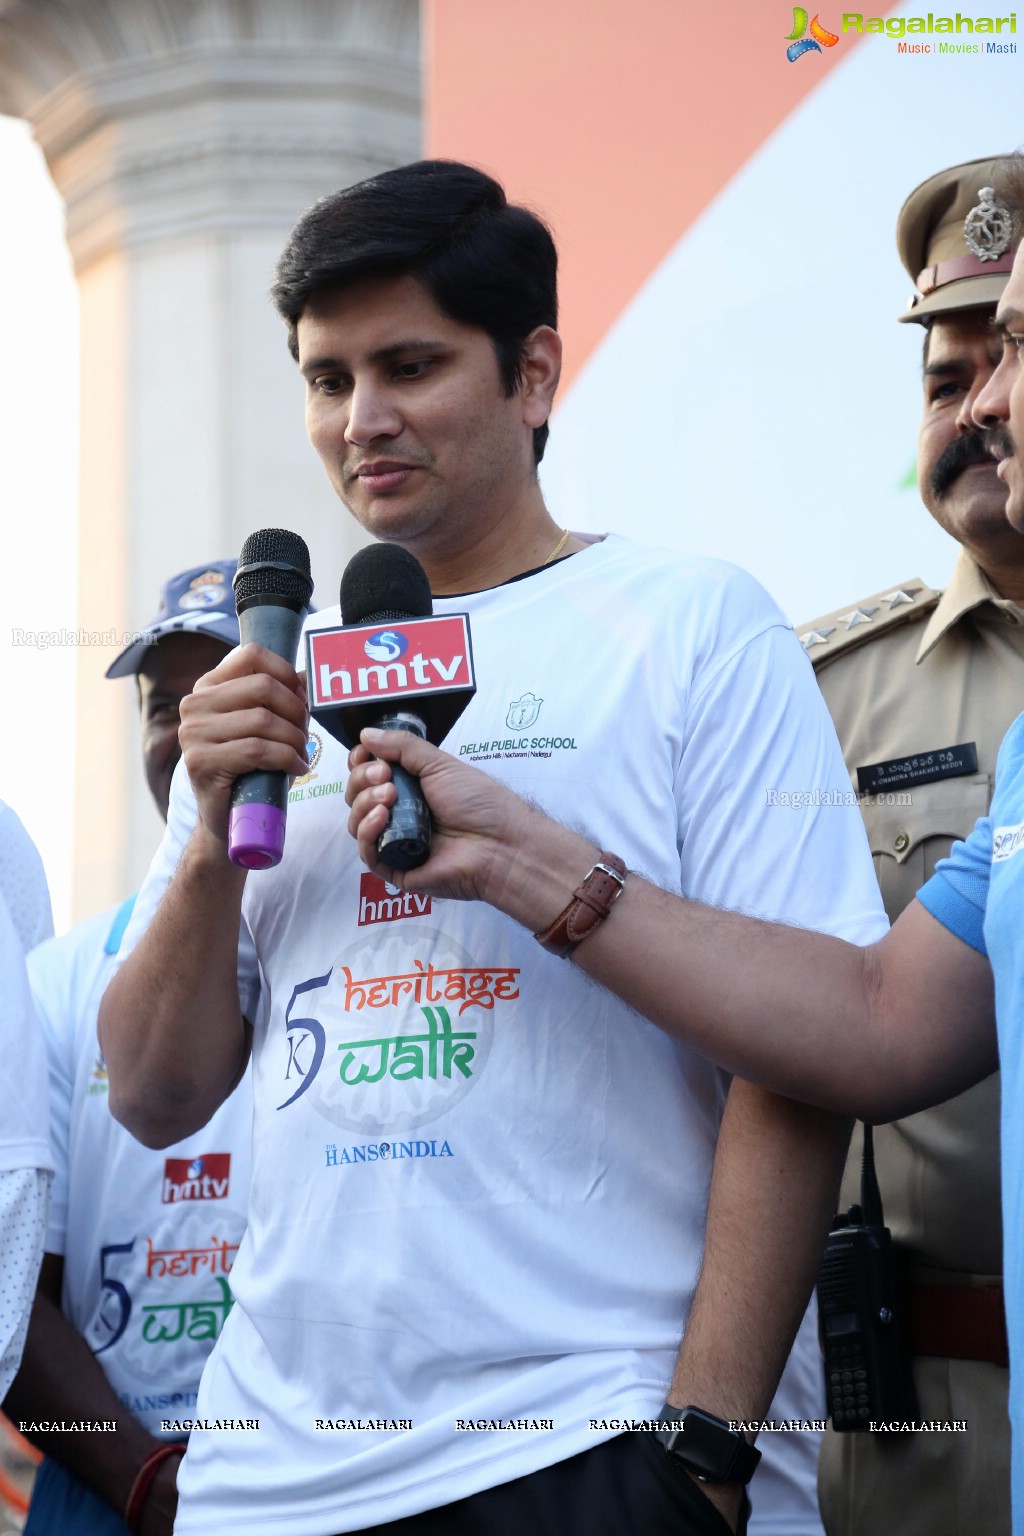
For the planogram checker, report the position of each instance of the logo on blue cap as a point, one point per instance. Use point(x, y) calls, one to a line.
point(205, 591)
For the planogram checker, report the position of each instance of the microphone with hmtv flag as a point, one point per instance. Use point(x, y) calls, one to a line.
point(394, 665)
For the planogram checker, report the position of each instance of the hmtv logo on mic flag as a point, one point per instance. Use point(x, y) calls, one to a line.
point(389, 662)
point(424, 665)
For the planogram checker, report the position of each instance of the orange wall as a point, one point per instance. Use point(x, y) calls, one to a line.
point(618, 122)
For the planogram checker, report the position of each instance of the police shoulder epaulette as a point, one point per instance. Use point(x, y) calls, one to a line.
point(840, 632)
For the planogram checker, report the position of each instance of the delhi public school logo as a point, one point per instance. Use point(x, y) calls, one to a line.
point(523, 712)
point(799, 44)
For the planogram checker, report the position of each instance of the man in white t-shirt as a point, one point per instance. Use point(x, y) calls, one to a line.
point(481, 1184)
point(883, 1031)
point(26, 1165)
point(139, 1245)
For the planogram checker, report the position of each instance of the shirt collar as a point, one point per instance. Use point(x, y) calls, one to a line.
point(969, 588)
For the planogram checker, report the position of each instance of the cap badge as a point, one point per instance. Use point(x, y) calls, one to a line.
point(204, 591)
point(988, 227)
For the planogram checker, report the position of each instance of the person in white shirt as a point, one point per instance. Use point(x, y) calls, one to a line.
point(23, 884)
point(882, 1031)
point(134, 1283)
point(26, 1164)
point(481, 1185)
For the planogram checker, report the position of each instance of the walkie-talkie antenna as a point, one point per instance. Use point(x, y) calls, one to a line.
point(870, 1194)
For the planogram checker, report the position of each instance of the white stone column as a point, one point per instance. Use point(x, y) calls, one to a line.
point(186, 136)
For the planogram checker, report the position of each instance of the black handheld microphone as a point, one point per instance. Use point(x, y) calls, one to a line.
point(384, 584)
point(395, 666)
point(273, 587)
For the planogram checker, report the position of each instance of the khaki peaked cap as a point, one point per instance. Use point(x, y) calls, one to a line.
point(932, 242)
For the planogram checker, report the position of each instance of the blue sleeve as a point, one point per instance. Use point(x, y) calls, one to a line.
point(957, 893)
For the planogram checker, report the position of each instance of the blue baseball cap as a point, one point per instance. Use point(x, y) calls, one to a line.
point(198, 601)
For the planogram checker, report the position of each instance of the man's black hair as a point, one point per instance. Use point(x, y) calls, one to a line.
point(484, 261)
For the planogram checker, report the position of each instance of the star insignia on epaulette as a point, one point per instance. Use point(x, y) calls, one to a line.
point(899, 597)
point(858, 616)
point(817, 636)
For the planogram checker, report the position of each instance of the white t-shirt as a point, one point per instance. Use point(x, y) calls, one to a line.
point(23, 882)
point(24, 1115)
point(148, 1237)
point(25, 1160)
point(480, 1180)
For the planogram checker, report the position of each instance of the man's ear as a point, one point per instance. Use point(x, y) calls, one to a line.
point(541, 368)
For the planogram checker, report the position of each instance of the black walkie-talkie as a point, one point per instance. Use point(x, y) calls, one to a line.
point(861, 1314)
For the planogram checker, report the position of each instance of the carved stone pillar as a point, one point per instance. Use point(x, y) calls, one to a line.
point(186, 136)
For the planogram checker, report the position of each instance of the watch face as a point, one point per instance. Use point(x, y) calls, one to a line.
point(705, 1445)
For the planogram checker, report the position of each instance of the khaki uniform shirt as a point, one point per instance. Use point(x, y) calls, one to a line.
point(909, 673)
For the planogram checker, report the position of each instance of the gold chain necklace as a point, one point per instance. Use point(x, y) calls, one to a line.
point(563, 541)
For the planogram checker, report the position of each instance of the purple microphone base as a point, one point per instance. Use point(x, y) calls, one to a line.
point(256, 836)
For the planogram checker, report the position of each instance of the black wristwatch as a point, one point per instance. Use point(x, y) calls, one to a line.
point(706, 1446)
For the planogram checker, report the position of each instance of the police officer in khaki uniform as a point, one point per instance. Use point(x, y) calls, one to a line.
point(921, 686)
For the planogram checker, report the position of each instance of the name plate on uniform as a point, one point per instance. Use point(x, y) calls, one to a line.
point(922, 768)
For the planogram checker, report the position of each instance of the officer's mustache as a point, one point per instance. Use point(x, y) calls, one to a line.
point(998, 442)
point(967, 449)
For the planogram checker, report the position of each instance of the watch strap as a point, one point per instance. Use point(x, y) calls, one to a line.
point(591, 903)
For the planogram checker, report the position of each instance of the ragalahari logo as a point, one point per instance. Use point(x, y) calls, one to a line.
point(799, 44)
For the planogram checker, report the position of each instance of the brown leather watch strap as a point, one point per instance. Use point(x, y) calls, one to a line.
point(591, 902)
